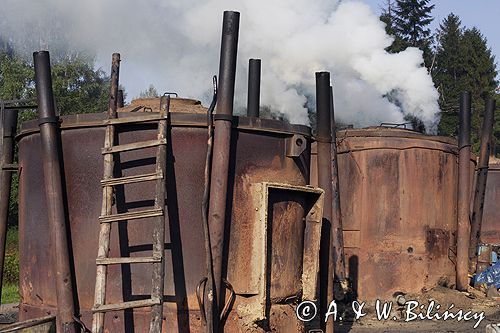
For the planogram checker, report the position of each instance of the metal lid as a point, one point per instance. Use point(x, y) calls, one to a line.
point(177, 119)
point(381, 131)
point(374, 138)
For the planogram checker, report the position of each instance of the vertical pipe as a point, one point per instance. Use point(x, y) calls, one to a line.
point(253, 102)
point(9, 129)
point(221, 156)
point(120, 98)
point(324, 138)
point(337, 230)
point(463, 204)
point(48, 123)
point(482, 175)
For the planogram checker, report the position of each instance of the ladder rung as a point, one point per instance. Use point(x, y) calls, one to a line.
point(10, 167)
point(134, 146)
point(127, 305)
point(127, 260)
point(128, 120)
point(131, 215)
point(132, 179)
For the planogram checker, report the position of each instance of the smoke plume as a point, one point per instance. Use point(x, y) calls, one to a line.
point(175, 46)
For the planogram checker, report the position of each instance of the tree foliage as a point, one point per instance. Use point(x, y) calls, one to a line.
point(151, 92)
point(449, 72)
point(78, 88)
point(408, 22)
point(463, 63)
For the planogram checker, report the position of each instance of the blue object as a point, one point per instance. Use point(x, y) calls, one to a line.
point(494, 257)
point(490, 276)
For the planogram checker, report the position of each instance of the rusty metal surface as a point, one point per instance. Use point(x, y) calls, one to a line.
point(331, 260)
point(464, 192)
point(490, 231)
point(337, 232)
point(220, 184)
point(95, 120)
point(399, 197)
point(258, 154)
point(272, 273)
point(8, 119)
point(53, 189)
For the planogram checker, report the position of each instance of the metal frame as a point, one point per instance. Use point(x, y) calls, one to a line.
point(312, 237)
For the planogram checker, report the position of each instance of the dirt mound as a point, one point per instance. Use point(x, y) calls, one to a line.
point(153, 105)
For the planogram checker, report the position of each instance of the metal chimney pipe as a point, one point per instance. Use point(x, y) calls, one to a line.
point(220, 165)
point(324, 139)
point(337, 230)
point(9, 128)
point(463, 204)
point(253, 102)
point(48, 123)
point(482, 175)
point(121, 100)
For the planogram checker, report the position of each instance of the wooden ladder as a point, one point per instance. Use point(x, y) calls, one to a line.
point(107, 217)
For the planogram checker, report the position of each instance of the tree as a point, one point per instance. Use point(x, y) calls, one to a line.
point(408, 21)
point(480, 78)
point(463, 63)
point(15, 77)
point(78, 87)
point(388, 18)
point(449, 72)
point(151, 92)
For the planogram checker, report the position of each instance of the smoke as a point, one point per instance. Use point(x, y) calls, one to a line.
point(175, 46)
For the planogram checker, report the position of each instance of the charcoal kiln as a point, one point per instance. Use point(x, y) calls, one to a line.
point(398, 194)
point(247, 237)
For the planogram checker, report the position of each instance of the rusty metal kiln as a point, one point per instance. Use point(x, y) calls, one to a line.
point(265, 153)
point(388, 200)
point(399, 203)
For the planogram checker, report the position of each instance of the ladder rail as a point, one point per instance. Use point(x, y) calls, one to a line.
point(158, 278)
point(107, 200)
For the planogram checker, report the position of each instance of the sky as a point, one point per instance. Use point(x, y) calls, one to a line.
point(175, 46)
point(483, 14)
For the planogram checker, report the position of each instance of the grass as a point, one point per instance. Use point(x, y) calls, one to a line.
point(10, 287)
point(10, 293)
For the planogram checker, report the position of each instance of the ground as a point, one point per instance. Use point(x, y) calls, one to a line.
point(472, 300)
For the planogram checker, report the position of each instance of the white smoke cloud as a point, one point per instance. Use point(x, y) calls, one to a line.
point(175, 45)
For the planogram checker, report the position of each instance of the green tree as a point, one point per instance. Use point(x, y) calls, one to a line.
point(15, 77)
point(449, 72)
point(388, 18)
point(463, 63)
point(408, 22)
point(480, 78)
point(151, 92)
point(78, 87)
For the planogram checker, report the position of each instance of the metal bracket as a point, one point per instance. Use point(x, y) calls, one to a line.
point(295, 145)
point(260, 251)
